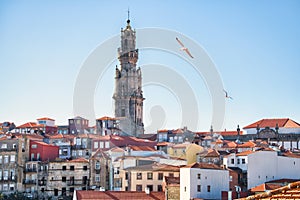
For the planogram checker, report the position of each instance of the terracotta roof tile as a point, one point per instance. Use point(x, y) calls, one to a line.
point(284, 122)
point(120, 195)
point(291, 191)
point(248, 144)
point(79, 160)
point(141, 148)
point(203, 166)
point(245, 153)
point(46, 118)
point(265, 187)
point(27, 125)
point(106, 118)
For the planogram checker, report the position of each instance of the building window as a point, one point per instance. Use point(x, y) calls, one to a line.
point(97, 165)
point(97, 178)
point(85, 168)
point(171, 174)
point(126, 175)
point(185, 188)
point(34, 146)
point(230, 178)
point(0, 159)
point(243, 161)
point(72, 167)
point(198, 188)
point(42, 190)
point(5, 187)
point(64, 167)
point(101, 145)
point(6, 159)
point(123, 112)
point(150, 187)
point(55, 192)
point(208, 188)
point(12, 158)
point(96, 145)
point(71, 189)
point(159, 188)
point(139, 188)
point(149, 175)
point(78, 121)
point(4, 146)
point(232, 160)
point(160, 176)
point(63, 179)
point(107, 144)
point(238, 161)
point(71, 121)
point(139, 176)
point(11, 187)
point(199, 176)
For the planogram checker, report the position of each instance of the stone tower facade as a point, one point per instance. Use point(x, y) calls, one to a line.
point(128, 94)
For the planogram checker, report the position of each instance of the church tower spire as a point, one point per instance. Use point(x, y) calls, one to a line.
point(128, 94)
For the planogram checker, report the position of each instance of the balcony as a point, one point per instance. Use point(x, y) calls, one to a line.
point(8, 149)
point(29, 182)
point(30, 169)
point(10, 178)
point(79, 147)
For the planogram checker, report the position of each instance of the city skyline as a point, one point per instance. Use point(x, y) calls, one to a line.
point(253, 45)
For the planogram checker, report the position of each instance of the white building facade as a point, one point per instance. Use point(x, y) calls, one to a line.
point(202, 180)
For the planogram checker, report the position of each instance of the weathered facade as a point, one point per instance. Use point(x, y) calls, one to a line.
point(128, 94)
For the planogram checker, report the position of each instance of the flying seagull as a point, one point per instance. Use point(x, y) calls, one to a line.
point(226, 95)
point(183, 48)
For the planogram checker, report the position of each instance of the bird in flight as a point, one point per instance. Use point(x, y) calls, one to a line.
point(226, 95)
point(183, 48)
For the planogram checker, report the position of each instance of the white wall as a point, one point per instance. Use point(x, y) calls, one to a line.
point(288, 167)
point(185, 183)
point(217, 179)
point(266, 166)
point(262, 167)
point(280, 130)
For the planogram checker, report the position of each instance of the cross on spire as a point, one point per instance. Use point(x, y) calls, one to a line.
point(128, 13)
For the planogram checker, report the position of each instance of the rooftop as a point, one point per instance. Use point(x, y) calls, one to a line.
point(281, 123)
point(203, 166)
point(119, 195)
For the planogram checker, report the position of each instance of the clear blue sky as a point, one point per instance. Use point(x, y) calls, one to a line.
point(255, 46)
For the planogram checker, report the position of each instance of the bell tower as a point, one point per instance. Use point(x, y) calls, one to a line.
point(128, 93)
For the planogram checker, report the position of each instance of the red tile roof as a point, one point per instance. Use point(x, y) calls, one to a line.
point(46, 118)
point(172, 181)
point(163, 144)
point(209, 153)
point(229, 144)
point(119, 195)
point(245, 153)
point(248, 144)
point(141, 148)
point(223, 133)
point(79, 160)
point(291, 191)
point(106, 118)
point(27, 125)
point(285, 122)
point(203, 166)
point(265, 187)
